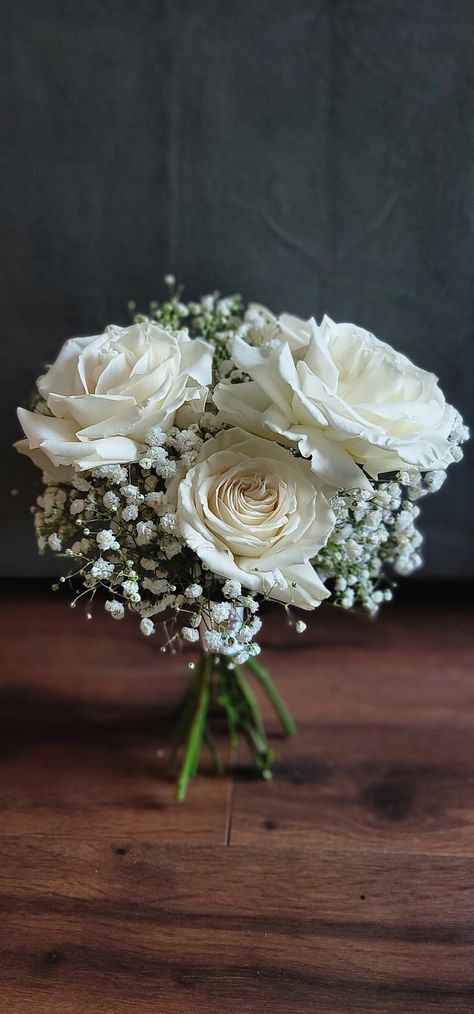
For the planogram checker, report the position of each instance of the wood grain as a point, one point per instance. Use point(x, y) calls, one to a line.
point(348, 886)
point(120, 926)
point(86, 732)
point(384, 757)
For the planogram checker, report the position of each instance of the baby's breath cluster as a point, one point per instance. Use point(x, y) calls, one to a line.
point(118, 525)
point(215, 318)
point(374, 539)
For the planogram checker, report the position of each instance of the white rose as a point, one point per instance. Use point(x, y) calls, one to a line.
point(256, 514)
point(343, 396)
point(105, 392)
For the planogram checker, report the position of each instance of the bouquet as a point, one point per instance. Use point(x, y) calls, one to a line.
point(211, 456)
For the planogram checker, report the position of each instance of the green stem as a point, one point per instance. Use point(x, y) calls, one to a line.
point(216, 757)
point(262, 754)
point(265, 680)
point(244, 715)
point(224, 697)
point(250, 699)
point(184, 701)
point(193, 748)
point(185, 715)
point(218, 680)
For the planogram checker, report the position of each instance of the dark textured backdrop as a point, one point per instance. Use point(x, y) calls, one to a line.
point(317, 156)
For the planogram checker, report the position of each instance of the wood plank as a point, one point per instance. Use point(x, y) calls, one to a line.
point(96, 926)
point(85, 729)
point(384, 756)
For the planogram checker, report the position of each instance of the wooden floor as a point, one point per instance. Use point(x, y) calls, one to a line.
point(345, 885)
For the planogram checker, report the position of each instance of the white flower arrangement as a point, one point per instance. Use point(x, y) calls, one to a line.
point(210, 456)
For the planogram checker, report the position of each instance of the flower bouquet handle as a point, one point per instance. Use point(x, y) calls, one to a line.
point(220, 684)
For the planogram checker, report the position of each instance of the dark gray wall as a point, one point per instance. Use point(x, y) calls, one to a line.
point(317, 156)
